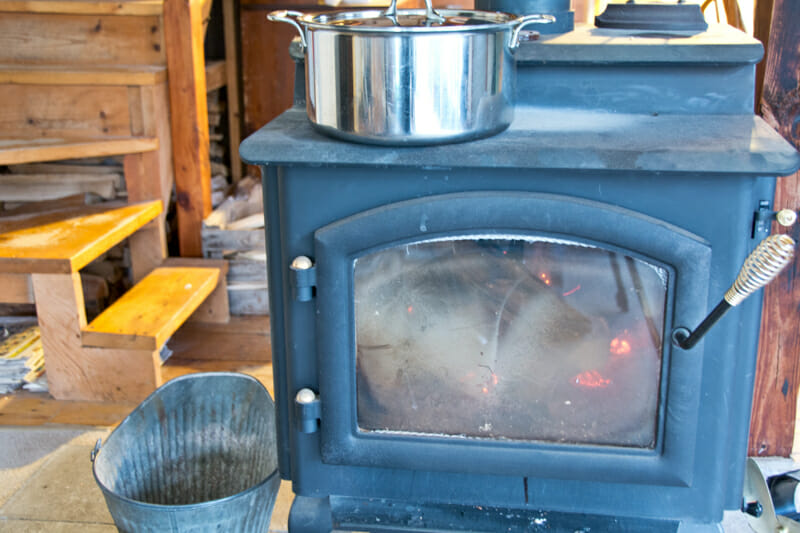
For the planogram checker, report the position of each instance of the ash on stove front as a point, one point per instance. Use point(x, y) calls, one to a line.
point(477, 337)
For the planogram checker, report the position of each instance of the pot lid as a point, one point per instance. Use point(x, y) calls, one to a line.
point(408, 20)
point(393, 20)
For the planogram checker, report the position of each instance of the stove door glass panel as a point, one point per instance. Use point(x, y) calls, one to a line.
point(518, 338)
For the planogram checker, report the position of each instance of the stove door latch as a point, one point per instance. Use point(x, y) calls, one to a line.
point(307, 410)
point(765, 215)
point(303, 278)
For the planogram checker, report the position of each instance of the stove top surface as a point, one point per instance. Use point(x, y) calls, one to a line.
point(547, 138)
point(587, 44)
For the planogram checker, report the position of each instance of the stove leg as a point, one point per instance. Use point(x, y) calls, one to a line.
point(310, 515)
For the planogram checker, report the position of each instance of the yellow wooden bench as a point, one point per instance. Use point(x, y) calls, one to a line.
point(148, 314)
point(116, 357)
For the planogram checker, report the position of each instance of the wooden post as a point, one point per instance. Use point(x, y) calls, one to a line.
point(762, 21)
point(149, 111)
point(733, 14)
point(183, 36)
point(232, 70)
point(778, 373)
point(61, 315)
point(148, 244)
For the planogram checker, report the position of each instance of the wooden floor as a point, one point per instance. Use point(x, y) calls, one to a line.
point(242, 345)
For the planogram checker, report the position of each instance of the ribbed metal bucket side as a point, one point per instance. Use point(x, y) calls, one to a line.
point(246, 512)
point(199, 454)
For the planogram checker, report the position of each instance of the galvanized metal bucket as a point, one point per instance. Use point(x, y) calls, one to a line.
point(199, 454)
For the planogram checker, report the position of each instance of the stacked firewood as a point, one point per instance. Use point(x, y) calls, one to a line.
point(218, 147)
point(99, 178)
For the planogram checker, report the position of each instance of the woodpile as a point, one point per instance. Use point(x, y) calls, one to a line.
point(218, 150)
point(35, 182)
point(235, 231)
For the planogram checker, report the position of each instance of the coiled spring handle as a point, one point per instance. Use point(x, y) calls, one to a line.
point(761, 266)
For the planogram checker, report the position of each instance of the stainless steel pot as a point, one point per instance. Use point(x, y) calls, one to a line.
point(403, 77)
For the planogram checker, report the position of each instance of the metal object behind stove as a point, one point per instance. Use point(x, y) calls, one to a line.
point(406, 79)
point(757, 504)
point(656, 16)
point(560, 9)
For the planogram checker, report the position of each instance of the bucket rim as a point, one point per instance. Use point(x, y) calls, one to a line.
point(188, 506)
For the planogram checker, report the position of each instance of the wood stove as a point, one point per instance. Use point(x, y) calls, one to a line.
point(477, 336)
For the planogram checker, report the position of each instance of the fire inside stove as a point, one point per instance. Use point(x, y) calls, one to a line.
point(529, 339)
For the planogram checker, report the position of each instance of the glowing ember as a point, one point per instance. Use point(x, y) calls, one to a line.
point(544, 277)
point(592, 379)
point(410, 309)
point(485, 390)
point(573, 291)
point(620, 346)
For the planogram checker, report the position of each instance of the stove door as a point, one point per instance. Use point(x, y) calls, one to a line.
point(510, 337)
point(515, 324)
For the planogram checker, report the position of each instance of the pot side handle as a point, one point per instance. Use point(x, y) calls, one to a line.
point(520, 23)
point(290, 17)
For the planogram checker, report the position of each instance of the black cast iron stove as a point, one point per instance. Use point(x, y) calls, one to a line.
point(476, 337)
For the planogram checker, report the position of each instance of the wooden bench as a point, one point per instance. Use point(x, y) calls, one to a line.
point(148, 314)
point(117, 356)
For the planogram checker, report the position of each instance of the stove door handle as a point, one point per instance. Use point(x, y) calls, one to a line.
point(762, 266)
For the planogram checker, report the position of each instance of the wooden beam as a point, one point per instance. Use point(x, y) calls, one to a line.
point(733, 14)
point(230, 24)
point(60, 312)
point(16, 151)
point(778, 372)
point(83, 75)
point(762, 22)
point(183, 33)
point(149, 112)
point(15, 288)
point(149, 244)
point(79, 39)
point(64, 111)
point(83, 7)
point(216, 76)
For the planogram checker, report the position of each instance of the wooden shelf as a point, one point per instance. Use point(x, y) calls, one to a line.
point(83, 75)
point(84, 7)
point(148, 314)
point(66, 246)
point(17, 151)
